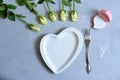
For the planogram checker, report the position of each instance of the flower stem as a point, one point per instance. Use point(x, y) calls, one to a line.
point(62, 5)
point(27, 3)
point(74, 5)
point(23, 20)
point(36, 12)
point(48, 6)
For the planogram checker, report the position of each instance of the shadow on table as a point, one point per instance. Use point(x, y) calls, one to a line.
point(37, 48)
point(94, 13)
point(4, 78)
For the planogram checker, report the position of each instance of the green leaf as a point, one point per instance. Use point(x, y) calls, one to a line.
point(3, 14)
point(2, 7)
point(30, 5)
point(66, 2)
point(11, 6)
point(1, 1)
point(33, 4)
point(69, 0)
point(40, 1)
point(51, 1)
point(21, 2)
point(20, 15)
point(78, 1)
point(11, 16)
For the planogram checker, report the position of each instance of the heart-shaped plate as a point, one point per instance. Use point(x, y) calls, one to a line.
point(59, 51)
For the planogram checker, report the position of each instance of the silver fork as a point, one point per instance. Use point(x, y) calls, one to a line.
point(87, 43)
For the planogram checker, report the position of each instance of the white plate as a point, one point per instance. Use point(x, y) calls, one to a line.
point(59, 51)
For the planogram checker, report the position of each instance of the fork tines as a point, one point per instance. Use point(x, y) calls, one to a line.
point(87, 33)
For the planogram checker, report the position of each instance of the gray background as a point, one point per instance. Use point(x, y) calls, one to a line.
point(19, 47)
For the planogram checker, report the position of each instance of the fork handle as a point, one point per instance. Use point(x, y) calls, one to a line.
point(88, 66)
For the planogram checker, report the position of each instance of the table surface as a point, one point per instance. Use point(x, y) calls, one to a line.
point(19, 47)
